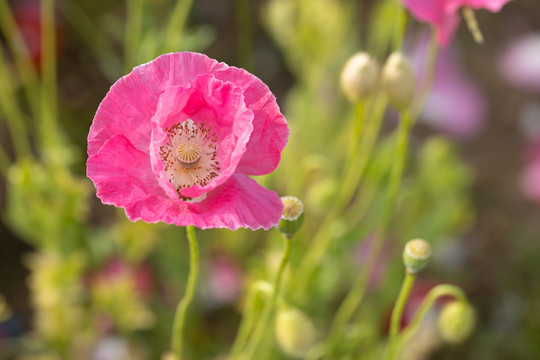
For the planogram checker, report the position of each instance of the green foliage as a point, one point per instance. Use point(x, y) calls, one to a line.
point(47, 206)
point(436, 200)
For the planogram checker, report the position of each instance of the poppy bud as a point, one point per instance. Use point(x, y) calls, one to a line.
point(398, 81)
point(292, 217)
point(456, 322)
point(295, 333)
point(359, 77)
point(416, 255)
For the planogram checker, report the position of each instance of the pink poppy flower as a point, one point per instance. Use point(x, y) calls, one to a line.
point(442, 14)
point(175, 140)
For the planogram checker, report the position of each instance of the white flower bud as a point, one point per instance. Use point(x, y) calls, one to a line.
point(416, 255)
point(359, 77)
point(398, 80)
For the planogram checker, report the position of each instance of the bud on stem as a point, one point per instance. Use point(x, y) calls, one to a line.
point(359, 77)
point(456, 322)
point(416, 255)
point(398, 81)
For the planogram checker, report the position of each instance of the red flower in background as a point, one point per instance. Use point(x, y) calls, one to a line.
point(28, 20)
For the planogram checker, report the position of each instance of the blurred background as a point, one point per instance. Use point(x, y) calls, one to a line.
point(81, 282)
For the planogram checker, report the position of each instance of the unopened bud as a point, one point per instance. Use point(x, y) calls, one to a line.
point(456, 322)
point(398, 81)
point(416, 255)
point(295, 333)
point(292, 217)
point(169, 356)
point(359, 77)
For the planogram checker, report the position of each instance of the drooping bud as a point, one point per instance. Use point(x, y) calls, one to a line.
point(295, 332)
point(359, 77)
point(398, 81)
point(292, 217)
point(456, 322)
point(416, 255)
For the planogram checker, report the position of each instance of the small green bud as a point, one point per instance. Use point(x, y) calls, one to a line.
point(456, 322)
point(295, 332)
point(416, 255)
point(359, 77)
point(398, 81)
point(169, 356)
point(292, 217)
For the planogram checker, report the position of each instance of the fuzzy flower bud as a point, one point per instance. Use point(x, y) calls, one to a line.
point(398, 81)
point(292, 217)
point(295, 333)
point(359, 77)
point(456, 322)
point(416, 255)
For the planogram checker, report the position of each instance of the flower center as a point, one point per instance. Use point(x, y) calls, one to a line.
point(188, 154)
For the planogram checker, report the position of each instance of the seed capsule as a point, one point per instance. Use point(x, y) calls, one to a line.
point(416, 255)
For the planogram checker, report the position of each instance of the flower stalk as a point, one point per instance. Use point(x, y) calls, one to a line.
point(397, 314)
point(248, 320)
point(434, 294)
point(268, 310)
point(356, 294)
point(177, 342)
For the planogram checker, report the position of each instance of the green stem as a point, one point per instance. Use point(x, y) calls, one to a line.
point(248, 320)
point(472, 24)
point(263, 324)
point(183, 305)
point(356, 133)
point(4, 163)
point(23, 62)
point(397, 313)
point(359, 165)
point(244, 37)
point(133, 30)
point(49, 109)
point(429, 77)
point(356, 294)
point(177, 25)
point(400, 26)
point(351, 180)
point(10, 108)
point(435, 293)
point(85, 27)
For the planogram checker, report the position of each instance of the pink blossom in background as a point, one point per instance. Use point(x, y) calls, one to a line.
point(520, 62)
point(443, 14)
point(361, 256)
point(223, 282)
point(175, 140)
point(118, 269)
point(455, 105)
